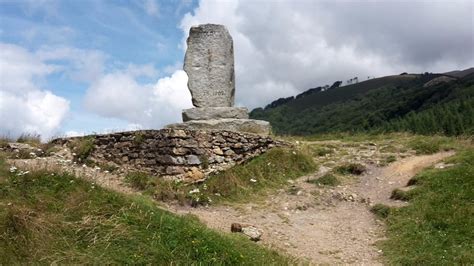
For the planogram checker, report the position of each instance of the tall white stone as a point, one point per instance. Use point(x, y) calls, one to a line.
point(209, 63)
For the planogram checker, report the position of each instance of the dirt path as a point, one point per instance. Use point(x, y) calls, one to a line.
point(319, 224)
point(324, 226)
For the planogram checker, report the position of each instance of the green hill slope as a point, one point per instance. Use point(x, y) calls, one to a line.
point(426, 104)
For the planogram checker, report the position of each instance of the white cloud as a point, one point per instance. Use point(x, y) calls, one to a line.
point(73, 133)
point(170, 97)
point(25, 107)
point(81, 65)
point(120, 95)
point(283, 48)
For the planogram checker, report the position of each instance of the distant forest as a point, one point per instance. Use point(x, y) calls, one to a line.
point(418, 103)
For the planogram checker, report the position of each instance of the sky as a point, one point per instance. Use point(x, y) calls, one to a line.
point(70, 67)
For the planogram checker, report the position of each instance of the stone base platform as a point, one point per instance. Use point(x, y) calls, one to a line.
point(207, 113)
point(259, 127)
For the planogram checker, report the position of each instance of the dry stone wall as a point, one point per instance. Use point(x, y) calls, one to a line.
point(186, 155)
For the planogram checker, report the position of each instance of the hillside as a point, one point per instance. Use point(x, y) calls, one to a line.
point(420, 103)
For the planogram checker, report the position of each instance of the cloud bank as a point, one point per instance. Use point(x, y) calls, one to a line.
point(120, 95)
point(25, 106)
point(283, 48)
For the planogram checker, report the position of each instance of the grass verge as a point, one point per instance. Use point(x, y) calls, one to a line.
point(437, 227)
point(57, 218)
point(270, 170)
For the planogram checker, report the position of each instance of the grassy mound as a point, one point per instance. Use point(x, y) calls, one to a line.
point(57, 218)
point(437, 227)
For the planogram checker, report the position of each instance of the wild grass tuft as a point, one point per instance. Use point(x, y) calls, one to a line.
point(380, 210)
point(398, 194)
point(350, 169)
point(29, 138)
point(82, 147)
point(326, 180)
point(138, 180)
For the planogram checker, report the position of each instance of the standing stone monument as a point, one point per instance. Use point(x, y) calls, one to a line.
point(209, 63)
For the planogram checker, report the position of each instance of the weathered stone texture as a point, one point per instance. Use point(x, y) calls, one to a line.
point(238, 125)
point(209, 63)
point(174, 153)
point(206, 113)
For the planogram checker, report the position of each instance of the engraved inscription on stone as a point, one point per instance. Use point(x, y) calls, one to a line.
point(209, 63)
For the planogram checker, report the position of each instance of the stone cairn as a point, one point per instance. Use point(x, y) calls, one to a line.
point(209, 63)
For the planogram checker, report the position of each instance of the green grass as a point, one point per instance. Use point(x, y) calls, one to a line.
point(437, 228)
point(430, 145)
point(317, 150)
point(138, 180)
point(350, 169)
point(398, 194)
point(326, 180)
point(389, 159)
point(29, 138)
point(245, 182)
point(52, 218)
point(82, 147)
point(380, 210)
